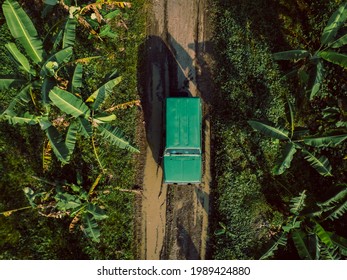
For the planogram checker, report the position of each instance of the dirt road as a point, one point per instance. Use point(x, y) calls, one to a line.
point(175, 58)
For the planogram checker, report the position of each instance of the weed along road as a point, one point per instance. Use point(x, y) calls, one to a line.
point(175, 60)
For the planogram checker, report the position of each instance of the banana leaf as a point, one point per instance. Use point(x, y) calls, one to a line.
point(57, 40)
point(337, 212)
point(287, 157)
point(21, 99)
point(299, 241)
point(297, 203)
point(6, 83)
point(66, 201)
point(47, 85)
point(71, 136)
point(91, 227)
point(325, 141)
point(69, 103)
point(341, 195)
point(96, 211)
point(335, 22)
point(50, 2)
point(317, 73)
point(62, 56)
point(334, 57)
point(100, 95)
point(291, 118)
point(27, 118)
point(281, 240)
point(116, 137)
point(340, 242)
point(291, 55)
point(20, 58)
point(313, 245)
point(270, 130)
point(323, 235)
point(22, 28)
point(85, 127)
point(340, 42)
point(104, 117)
point(57, 143)
point(69, 37)
point(76, 81)
point(292, 225)
point(321, 164)
point(329, 253)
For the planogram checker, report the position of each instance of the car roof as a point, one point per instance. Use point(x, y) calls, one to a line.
point(183, 122)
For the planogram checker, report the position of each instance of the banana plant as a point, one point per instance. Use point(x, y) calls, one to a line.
point(64, 200)
point(298, 140)
point(304, 227)
point(311, 70)
point(55, 91)
point(86, 117)
point(61, 200)
point(95, 17)
point(37, 68)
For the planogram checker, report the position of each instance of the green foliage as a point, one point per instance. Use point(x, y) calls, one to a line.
point(308, 234)
point(116, 137)
point(293, 143)
point(69, 103)
point(65, 101)
point(270, 130)
point(313, 66)
point(34, 236)
point(335, 22)
point(72, 201)
point(249, 86)
point(22, 28)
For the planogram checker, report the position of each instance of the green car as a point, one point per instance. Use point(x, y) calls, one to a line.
point(182, 154)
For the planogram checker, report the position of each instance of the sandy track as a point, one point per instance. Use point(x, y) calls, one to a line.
point(174, 218)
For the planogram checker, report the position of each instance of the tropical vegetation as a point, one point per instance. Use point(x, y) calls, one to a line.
point(68, 140)
point(68, 147)
point(280, 130)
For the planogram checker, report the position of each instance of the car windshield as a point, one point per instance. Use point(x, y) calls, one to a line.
point(182, 151)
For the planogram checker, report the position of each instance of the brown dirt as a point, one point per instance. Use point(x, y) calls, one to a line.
point(175, 58)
